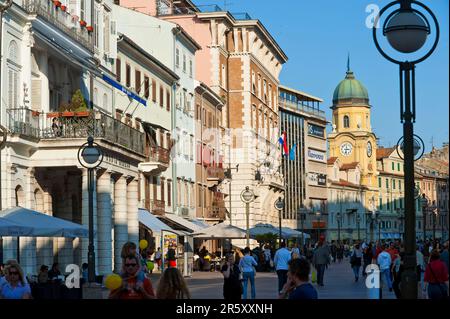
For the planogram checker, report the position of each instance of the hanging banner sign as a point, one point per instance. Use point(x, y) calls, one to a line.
point(316, 155)
point(124, 90)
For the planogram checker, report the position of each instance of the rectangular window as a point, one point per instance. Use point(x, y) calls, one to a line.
point(128, 75)
point(190, 68)
point(177, 57)
point(393, 184)
point(118, 70)
point(393, 166)
point(379, 182)
point(106, 32)
point(162, 189)
point(169, 193)
point(381, 204)
point(388, 205)
point(154, 91)
point(184, 63)
point(400, 184)
point(161, 96)
point(398, 167)
point(137, 81)
point(168, 100)
point(146, 87)
point(96, 16)
point(387, 183)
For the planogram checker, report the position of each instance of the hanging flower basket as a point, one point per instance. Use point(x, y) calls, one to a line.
point(63, 8)
point(82, 113)
point(57, 3)
point(90, 28)
point(35, 113)
point(53, 114)
point(83, 23)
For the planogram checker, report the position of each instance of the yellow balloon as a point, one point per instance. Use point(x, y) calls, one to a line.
point(150, 265)
point(143, 244)
point(113, 282)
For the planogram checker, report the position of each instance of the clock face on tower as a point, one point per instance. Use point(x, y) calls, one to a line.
point(369, 149)
point(346, 148)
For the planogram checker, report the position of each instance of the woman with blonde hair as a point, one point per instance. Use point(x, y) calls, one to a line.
point(172, 285)
point(15, 286)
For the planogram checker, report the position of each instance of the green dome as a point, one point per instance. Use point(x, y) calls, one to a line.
point(350, 89)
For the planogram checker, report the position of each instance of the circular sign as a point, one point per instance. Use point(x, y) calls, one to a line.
point(3, 136)
point(418, 147)
point(247, 195)
point(279, 204)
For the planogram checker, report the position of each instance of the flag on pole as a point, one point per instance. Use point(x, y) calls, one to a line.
point(292, 152)
point(283, 141)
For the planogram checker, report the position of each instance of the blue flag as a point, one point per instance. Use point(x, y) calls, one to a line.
point(292, 152)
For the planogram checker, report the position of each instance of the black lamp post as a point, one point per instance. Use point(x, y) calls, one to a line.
point(401, 217)
point(279, 205)
point(406, 30)
point(338, 219)
point(358, 221)
point(247, 196)
point(90, 156)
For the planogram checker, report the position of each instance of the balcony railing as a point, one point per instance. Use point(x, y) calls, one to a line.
point(160, 155)
point(155, 206)
point(74, 125)
point(60, 19)
point(301, 107)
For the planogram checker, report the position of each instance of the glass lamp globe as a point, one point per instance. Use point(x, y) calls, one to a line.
point(90, 154)
point(406, 31)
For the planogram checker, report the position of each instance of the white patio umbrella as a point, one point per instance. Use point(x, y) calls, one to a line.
point(9, 228)
point(44, 225)
point(261, 229)
point(221, 231)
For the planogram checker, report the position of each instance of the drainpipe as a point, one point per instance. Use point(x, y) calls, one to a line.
point(175, 32)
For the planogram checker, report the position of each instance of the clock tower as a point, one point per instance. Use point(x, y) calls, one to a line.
point(352, 139)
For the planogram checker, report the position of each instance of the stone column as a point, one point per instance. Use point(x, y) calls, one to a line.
point(44, 245)
point(132, 203)
point(85, 217)
point(28, 244)
point(104, 224)
point(120, 220)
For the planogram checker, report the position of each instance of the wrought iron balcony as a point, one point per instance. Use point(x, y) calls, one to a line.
point(56, 125)
point(60, 19)
point(301, 107)
point(158, 160)
point(155, 206)
point(215, 173)
point(159, 154)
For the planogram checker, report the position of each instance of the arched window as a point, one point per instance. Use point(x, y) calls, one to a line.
point(20, 196)
point(346, 121)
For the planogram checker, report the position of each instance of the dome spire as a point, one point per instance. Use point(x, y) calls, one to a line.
point(348, 62)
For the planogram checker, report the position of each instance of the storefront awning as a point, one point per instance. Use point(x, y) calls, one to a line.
point(152, 222)
point(184, 223)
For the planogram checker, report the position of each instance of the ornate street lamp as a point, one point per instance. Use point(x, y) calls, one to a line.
point(90, 156)
point(338, 219)
point(279, 205)
point(247, 196)
point(401, 217)
point(406, 30)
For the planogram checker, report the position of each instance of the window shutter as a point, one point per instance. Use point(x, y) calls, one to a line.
point(36, 94)
point(113, 41)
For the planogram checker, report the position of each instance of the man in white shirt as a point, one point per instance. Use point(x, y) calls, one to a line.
point(384, 262)
point(281, 260)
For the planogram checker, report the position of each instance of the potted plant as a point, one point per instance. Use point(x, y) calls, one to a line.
point(35, 113)
point(57, 3)
point(83, 23)
point(66, 110)
point(79, 104)
point(90, 28)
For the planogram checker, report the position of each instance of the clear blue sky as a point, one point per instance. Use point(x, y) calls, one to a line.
point(317, 35)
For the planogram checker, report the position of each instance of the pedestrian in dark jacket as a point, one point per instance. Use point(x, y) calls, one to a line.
point(355, 261)
point(321, 259)
point(340, 253)
point(367, 257)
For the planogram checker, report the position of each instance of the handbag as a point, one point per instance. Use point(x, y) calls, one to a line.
point(314, 276)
